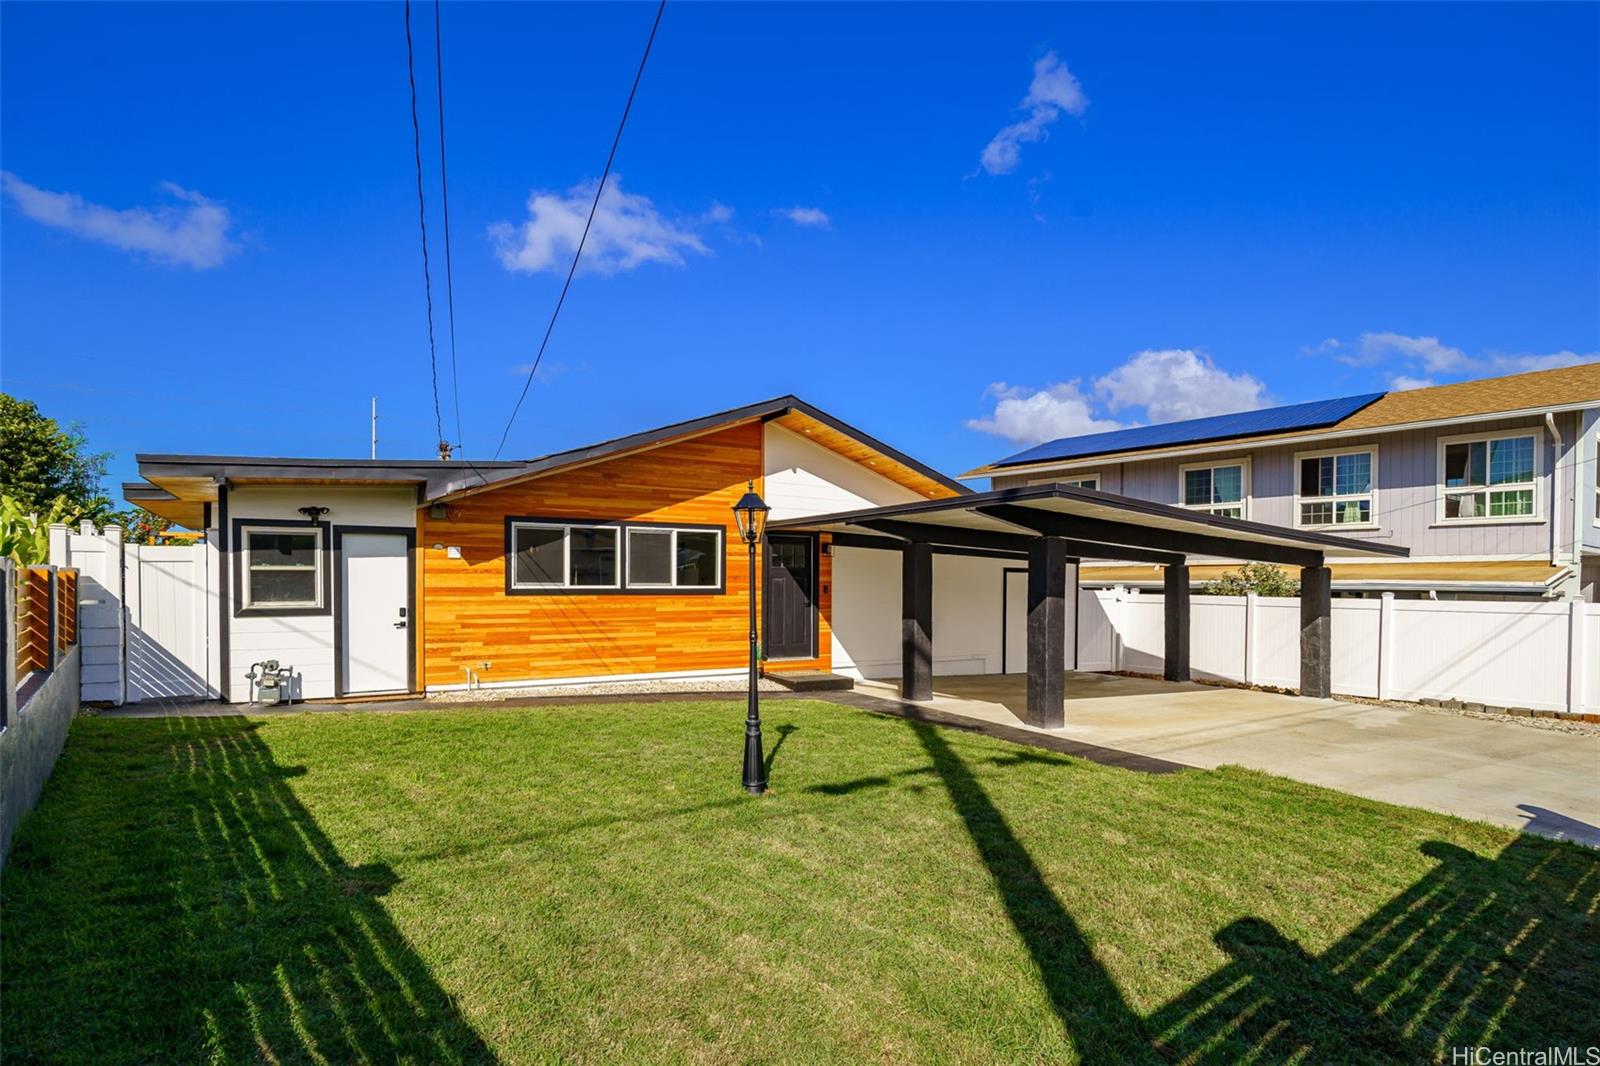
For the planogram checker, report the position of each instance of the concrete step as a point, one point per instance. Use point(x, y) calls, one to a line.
point(811, 680)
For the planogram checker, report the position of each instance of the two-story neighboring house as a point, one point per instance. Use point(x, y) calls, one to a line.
point(1490, 483)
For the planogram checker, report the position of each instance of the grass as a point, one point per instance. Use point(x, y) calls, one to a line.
point(589, 884)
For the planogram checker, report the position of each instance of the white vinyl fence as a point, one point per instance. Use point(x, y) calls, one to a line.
point(1543, 655)
point(147, 615)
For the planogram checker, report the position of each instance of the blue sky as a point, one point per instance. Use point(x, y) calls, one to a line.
point(1014, 221)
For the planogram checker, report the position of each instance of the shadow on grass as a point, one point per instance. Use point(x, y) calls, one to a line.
point(783, 732)
point(1498, 952)
point(198, 911)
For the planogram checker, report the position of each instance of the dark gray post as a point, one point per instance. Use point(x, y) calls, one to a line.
point(1316, 631)
point(1047, 632)
point(916, 621)
point(1175, 606)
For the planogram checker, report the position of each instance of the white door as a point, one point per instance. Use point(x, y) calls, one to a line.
point(376, 629)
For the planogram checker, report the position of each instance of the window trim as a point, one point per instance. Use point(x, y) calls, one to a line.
point(672, 532)
point(1093, 476)
point(621, 588)
point(1535, 517)
point(239, 548)
point(1371, 495)
point(566, 526)
point(1245, 502)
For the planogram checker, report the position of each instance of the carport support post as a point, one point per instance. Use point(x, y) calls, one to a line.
point(916, 621)
point(1175, 607)
point(1047, 632)
point(1316, 631)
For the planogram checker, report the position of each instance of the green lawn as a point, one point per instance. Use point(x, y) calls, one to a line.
point(590, 884)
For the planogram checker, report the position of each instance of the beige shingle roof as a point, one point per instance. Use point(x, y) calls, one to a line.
point(1564, 386)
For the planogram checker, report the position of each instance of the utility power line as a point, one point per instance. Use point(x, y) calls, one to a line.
point(444, 195)
point(578, 252)
point(422, 222)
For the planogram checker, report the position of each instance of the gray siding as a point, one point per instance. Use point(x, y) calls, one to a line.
point(1407, 489)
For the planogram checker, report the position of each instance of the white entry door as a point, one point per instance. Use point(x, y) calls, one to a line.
point(374, 613)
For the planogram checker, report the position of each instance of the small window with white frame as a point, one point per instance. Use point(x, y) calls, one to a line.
point(668, 557)
point(548, 555)
point(1082, 481)
point(1221, 489)
point(1489, 478)
point(1336, 488)
point(282, 568)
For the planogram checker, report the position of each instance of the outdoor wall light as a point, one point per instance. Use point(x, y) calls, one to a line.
point(313, 513)
point(751, 514)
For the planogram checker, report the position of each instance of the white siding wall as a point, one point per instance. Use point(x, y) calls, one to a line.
point(802, 478)
point(967, 594)
point(302, 641)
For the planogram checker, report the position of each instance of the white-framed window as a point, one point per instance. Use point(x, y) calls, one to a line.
point(1216, 488)
point(550, 555)
point(283, 567)
point(1489, 477)
point(670, 557)
point(1081, 481)
point(1336, 488)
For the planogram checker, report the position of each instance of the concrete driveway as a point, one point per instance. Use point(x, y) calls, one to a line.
point(1531, 779)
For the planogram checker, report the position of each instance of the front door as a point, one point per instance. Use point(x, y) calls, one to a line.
point(791, 598)
point(375, 623)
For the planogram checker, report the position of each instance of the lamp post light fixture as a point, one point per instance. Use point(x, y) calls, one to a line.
point(751, 514)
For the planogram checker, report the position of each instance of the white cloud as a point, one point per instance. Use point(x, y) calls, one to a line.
point(194, 235)
point(628, 231)
point(812, 217)
point(1166, 385)
point(1405, 383)
point(1427, 357)
point(1030, 417)
point(1525, 361)
point(1177, 383)
point(718, 212)
point(1054, 89)
point(1434, 356)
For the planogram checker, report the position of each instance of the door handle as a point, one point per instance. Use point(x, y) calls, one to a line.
point(400, 625)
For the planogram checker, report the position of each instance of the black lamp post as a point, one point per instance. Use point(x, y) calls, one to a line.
point(751, 514)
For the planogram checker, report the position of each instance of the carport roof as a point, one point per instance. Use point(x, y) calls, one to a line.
point(1103, 525)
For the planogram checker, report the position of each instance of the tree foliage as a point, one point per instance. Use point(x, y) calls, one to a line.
point(41, 462)
point(1264, 579)
point(141, 527)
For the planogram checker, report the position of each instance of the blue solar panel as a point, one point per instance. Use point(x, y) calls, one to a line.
point(1312, 415)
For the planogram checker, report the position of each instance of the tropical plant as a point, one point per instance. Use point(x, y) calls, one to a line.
point(24, 535)
point(1264, 579)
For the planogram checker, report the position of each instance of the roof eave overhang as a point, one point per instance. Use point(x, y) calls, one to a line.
point(676, 432)
point(1212, 447)
point(1184, 531)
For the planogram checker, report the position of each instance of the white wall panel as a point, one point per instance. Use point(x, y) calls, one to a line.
point(802, 478)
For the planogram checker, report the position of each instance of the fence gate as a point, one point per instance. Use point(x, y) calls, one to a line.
point(169, 627)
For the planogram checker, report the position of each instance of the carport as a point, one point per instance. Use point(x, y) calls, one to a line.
point(1053, 527)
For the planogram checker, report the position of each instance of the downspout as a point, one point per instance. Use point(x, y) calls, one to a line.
point(1555, 489)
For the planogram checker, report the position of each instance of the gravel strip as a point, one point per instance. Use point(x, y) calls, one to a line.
point(603, 688)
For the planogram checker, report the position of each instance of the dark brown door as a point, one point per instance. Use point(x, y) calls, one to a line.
point(791, 598)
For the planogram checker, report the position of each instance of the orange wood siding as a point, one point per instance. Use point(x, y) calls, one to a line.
point(468, 619)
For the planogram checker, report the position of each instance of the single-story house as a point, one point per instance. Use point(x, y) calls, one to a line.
point(622, 561)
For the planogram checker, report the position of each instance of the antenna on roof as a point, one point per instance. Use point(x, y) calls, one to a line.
point(444, 451)
point(374, 427)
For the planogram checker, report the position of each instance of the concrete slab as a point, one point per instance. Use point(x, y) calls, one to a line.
point(1535, 780)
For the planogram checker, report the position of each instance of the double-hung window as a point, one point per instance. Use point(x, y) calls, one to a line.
point(1220, 489)
point(282, 568)
point(557, 556)
point(661, 557)
point(1336, 488)
point(1489, 477)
